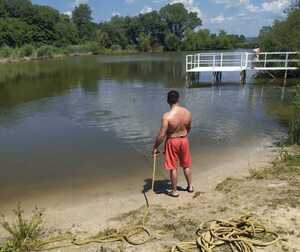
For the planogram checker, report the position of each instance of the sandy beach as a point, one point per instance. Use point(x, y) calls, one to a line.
point(88, 209)
point(253, 180)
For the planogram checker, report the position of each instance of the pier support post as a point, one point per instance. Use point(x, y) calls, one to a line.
point(213, 81)
point(243, 76)
point(285, 78)
point(220, 77)
point(282, 93)
point(217, 78)
point(192, 78)
point(187, 84)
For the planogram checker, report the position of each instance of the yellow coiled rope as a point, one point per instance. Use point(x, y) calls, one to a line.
point(131, 234)
point(240, 234)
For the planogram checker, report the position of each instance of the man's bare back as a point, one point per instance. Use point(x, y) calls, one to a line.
point(179, 121)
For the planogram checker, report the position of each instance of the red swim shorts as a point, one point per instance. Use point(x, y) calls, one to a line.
point(177, 149)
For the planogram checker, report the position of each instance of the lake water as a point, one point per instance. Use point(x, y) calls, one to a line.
point(93, 119)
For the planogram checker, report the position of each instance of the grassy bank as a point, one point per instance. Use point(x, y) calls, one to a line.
point(30, 52)
point(294, 127)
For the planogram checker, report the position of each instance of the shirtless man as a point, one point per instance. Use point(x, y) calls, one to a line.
point(255, 59)
point(175, 127)
point(257, 51)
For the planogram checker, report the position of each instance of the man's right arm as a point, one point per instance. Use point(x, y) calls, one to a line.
point(162, 133)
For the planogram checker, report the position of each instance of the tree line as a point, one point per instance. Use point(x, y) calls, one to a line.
point(283, 35)
point(172, 28)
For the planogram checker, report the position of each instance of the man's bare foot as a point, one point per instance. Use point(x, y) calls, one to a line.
point(190, 189)
point(173, 193)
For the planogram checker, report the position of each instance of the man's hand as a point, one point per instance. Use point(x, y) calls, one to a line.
point(155, 152)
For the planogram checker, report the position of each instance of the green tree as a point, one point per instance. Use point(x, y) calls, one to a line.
point(65, 32)
point(171, 28)
point(19, 8)
point(102, 38)
point(200, 40)
point(283, 34)
point(295, 4)
point(178, 19)
point(3, 11)
point(82, 18)
point(172, 42)
point(45, 17)
point(153, 25)
point(134, 29)
point(117, 29)
point(223, 40)
point(265, 38)
point(293, 28)
point(144, 42)
point(15, 32)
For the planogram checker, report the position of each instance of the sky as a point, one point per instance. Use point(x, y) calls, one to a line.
point(234, 16)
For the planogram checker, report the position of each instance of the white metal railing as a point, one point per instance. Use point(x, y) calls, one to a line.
point(243, 61)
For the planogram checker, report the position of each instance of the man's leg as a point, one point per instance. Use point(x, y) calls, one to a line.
point(188, 176)
point(173, 178)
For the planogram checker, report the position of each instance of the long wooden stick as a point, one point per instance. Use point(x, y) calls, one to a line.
point(154, 171)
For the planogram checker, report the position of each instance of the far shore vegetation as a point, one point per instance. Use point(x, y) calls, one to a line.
point(34, 31)
point(30, 31)
point(283, 35)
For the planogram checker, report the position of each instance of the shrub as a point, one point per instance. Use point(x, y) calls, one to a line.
point(294, 132)
point(131, 48)
point(172, 42)
point(6, 52)
point(71, 49)
point(15, 53)
point(23, 232)
point(116, 47)
point(26, 51)
point(57, 50)
point(144, 42)
point(91, 47)
point(45, 52)
point(158, 49)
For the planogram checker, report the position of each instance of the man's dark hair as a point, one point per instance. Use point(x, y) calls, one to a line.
point(173, 97)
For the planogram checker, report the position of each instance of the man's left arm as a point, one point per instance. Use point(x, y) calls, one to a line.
point(189, 126)
point(161, 135)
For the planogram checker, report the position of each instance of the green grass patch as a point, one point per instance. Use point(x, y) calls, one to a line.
point(6, 52)
point(285, 168)
point(45, 52)
point(228, 185)
point(26, 51)
point(293, 160)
